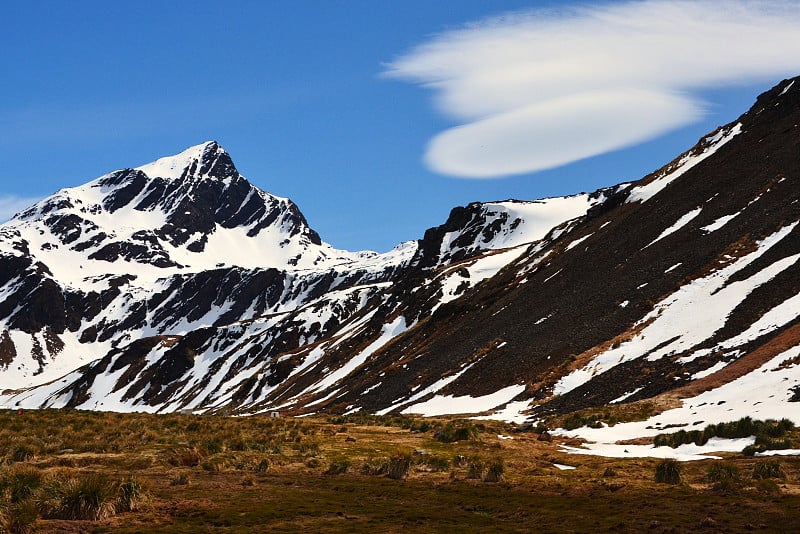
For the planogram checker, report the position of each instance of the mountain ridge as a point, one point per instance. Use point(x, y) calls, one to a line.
point(528, 308)
point(121, 231)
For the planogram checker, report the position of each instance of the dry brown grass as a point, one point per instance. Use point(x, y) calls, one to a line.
point(298, 493)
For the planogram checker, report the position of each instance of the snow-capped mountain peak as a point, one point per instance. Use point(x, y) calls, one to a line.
point(205, 159)
point(192, 211)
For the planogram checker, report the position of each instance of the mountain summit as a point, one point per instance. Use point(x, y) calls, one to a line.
point(204, 160)
point(197, 290)
point(192, 210)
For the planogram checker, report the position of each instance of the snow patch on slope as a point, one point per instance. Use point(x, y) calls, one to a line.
point(453, 282)
point(675, 324)
point(389, 331)
point(719, 223)
point(645, 192)
point(761, 394)
point(540, 216)
point(26, 369)
point(680, 223)
point(449, 404)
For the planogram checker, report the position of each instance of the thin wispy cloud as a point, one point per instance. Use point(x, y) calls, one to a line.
point(539, 89)
point(10, 205)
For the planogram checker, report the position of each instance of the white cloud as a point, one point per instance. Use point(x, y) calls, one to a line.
point(539, 89)
point(11, 205)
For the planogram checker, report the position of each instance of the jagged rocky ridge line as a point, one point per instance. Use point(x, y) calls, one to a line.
point(678, 285)
point(162, 250)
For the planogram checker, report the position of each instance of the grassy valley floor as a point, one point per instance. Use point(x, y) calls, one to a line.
point(362, 474)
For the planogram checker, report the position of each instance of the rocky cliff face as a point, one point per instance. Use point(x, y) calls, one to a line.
point(683, 284)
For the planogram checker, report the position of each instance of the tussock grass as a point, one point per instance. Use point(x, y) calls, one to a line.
point(767, 486)
point(28, 493)
point(89, 497)
point(726, 478)
point(338, 467)
point(458, 431)
point(18, 517)
point(476, 468)
point(668, 472)
point(23, 453)
point(185, 457)
point(400, 464)
point(596, 417)
point(214, 464)
point(20, 482)
point(262, 466)
point(434, 463)
point(495, 470)
point(375, 466)
point(132, 494)
point(722, 471)
point(765, 469)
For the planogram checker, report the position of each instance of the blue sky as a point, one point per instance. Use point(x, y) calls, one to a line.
point(373, 115)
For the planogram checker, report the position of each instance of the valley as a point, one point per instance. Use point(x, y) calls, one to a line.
point(366, 473)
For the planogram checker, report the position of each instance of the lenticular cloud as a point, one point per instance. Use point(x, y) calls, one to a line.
point(540, 89)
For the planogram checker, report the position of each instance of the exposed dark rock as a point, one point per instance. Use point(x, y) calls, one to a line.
point(124, 250)
point(92, 242)
point(7, 350)
point(69, 227)
point(134, 181)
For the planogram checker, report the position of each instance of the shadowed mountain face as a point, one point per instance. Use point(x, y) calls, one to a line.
point(179, 284)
